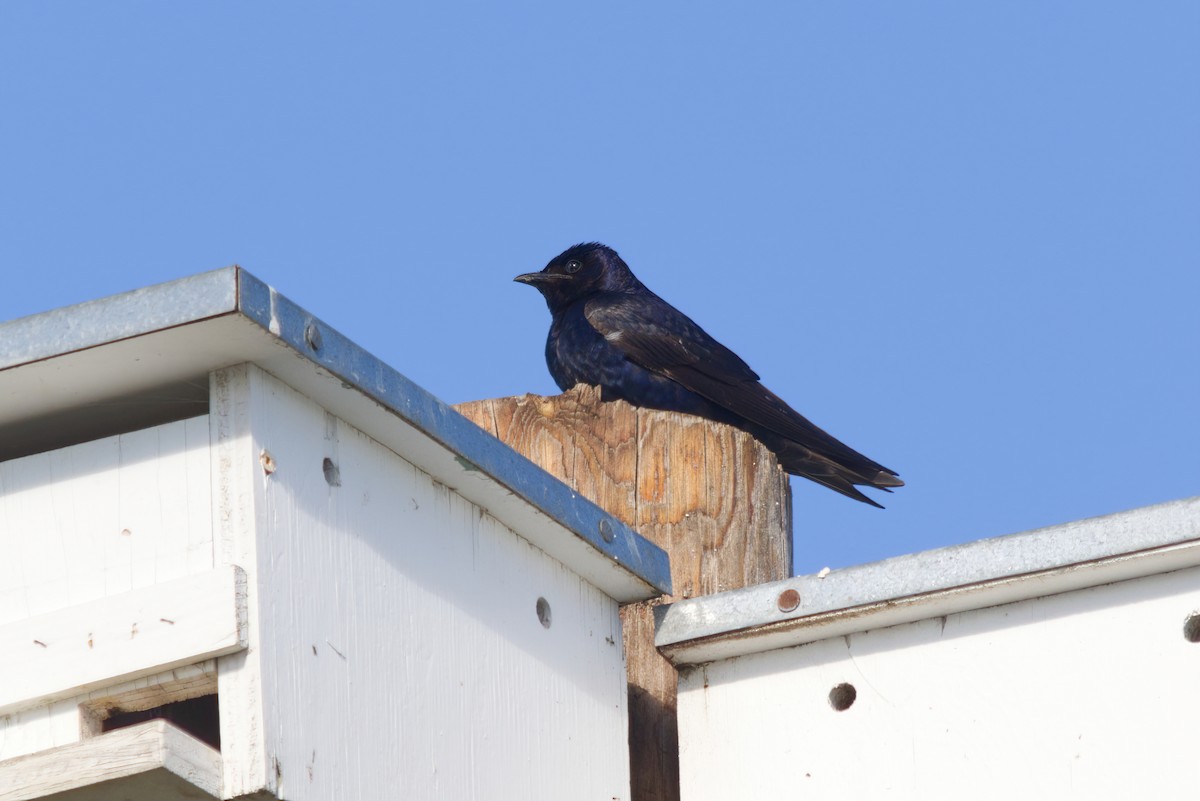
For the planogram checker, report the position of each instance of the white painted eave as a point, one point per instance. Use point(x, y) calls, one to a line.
point(931, 584)
point(103, 353)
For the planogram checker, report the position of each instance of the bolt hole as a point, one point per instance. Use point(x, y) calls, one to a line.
point(543, 612)
point(842, 697)
point(1191, 627)
point(333, 476)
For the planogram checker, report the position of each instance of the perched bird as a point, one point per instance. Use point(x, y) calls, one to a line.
point(609, 330)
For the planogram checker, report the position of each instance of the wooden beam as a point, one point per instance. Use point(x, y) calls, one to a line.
point(121, 637)
point(712, 496)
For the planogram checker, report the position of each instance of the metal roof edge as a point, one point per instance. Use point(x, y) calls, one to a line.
point(111, 319)
point(315, 358)
point(474, 449)
point(917, 586)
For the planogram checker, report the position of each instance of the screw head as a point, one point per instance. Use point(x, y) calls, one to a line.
point(312, 336)
point(789, 600)
point(606, 531)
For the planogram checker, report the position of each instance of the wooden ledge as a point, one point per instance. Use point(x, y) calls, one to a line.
point(154, 761)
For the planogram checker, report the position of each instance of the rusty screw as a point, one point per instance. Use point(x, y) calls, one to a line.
point(789, 600)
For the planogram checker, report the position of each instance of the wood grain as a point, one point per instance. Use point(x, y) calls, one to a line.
point(710, 495)
point(149, 760)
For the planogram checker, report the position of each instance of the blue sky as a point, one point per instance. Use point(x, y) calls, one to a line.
point(962, 237)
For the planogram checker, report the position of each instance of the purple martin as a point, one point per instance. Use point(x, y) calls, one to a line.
point(609, 330)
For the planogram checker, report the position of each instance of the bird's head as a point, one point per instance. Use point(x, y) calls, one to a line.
point(579, 272)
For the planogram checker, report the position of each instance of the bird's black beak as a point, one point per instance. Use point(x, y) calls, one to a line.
point(536, 279)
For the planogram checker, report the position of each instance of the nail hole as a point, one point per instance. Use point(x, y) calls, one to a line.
point(543, 612)
point(267, 461)
point(1191, 627)
point(333, 476)
point(842, 696)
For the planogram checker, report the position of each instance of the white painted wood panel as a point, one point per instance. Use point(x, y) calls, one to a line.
point(395, 627)
point(136, 633)
point(41, 727)
point(104, 517)
point(1083, 695)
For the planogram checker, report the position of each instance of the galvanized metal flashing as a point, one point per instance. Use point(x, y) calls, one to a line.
point(99, 322)
point(197, 324)
point(932, 583)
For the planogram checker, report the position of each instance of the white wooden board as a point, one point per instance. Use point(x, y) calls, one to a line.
point(39, 728)
point(1089, 694)
point(136, 633)
point(396, 650)
point(104, 517)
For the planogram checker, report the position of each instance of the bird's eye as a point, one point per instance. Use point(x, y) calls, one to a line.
point(572, 266)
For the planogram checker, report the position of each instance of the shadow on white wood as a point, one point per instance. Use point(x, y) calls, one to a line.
point(104, 517)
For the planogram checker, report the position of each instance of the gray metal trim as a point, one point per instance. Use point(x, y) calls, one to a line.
point(977, 574)
point(474, 447)
point(233, 291)
point(111, 319)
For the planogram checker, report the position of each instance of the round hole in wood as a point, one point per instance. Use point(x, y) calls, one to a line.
point(543, 612)
point(1191, 627)
point(842, 696)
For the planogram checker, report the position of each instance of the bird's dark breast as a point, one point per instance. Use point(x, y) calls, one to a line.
point(576, 353)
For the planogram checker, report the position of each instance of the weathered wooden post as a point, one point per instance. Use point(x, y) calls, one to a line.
point(710, 495)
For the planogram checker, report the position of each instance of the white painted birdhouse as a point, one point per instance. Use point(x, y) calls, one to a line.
point(1058, 663)
point(239, 556)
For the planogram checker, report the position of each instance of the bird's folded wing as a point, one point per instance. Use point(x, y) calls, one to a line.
point(657, 336)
